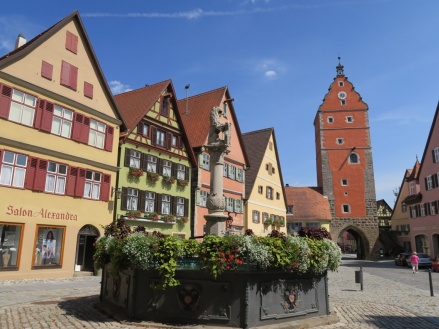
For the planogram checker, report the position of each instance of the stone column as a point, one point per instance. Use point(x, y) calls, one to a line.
point(216, 219)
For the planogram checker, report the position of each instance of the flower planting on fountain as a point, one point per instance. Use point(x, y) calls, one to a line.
point(124, 248)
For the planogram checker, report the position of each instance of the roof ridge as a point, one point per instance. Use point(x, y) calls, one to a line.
point(143, 88)
point(204, 93)
point(258, 131)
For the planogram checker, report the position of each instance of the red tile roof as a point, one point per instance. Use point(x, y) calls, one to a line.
point(196, 118)
point(135, 104)
point(195, 113)
point(309, 203)
point(415, 172)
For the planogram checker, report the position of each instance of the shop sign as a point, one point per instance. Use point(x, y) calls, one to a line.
point(40, 213)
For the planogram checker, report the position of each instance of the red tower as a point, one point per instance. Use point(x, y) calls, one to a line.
point(345, 165)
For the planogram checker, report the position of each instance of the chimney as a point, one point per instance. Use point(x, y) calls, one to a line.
point(20, 41)
point(287, 185)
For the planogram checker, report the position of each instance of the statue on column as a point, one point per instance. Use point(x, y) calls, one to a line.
point(217, 127)
point(218, 142)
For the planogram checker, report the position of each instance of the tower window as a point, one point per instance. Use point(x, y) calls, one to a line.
point(330, 119)
point(349, 119)
point(353, 158)
point(344, 182)
point(343, 102)
point(340, 141)
point(340, 83)
point(346, 209)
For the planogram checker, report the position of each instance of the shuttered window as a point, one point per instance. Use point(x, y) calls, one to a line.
point(72, 42)
point(88, 90)
point(96, 135)
point(22, 108)
point(69, 75)
point(46, 70)
point(92, 188)
point(56, 178)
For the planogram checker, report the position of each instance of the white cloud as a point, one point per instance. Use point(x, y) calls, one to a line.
point(118, 87)
point(271, 74)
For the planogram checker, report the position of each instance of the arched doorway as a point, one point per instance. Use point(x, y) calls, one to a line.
point(421, 243)
point(85, 248)
point(354, 241)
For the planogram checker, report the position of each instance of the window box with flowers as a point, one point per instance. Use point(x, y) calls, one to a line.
point(152, 216)
point(268, 221)
point(168, 218)
point(182, 182)
point(279, 222)
point(169, 179)
point(135, 172)
point(134, 214)
point(153, 176)
point(182, 220)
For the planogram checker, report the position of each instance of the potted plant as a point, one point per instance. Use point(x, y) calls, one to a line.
point(134, 214)
point(168, 218)
point(169, 179)
point(153, 176)
point(182, 182)
point(182, 220)
point(152, 215)
point(135, 172)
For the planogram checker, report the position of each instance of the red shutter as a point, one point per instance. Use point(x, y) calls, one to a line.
point(71, 181)
point(85, 130)
point(65, 74)
point(31, 169)
point(46, 120)
point(5, 101)
point(46, 70)
point(73, 81)
point(109, 139)
point(88, 90)
point(40, 175)
point(153, 135)
point(80, 183)
point(168, 140)
point(39, 113)
point(77, 126)
point(105, 188)
point(71, 42)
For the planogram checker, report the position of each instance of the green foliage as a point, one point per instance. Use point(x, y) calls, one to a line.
point(124, 249)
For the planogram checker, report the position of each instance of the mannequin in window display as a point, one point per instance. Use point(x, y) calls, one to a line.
point(49, 253)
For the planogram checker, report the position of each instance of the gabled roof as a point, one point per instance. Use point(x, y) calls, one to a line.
point(31, 45)
point(195, 112)
point(383, 203)
point(135, 104)
point(434, 124)
point(407, 174)
point(415, 172)
point(309, 203)
point(256, 143)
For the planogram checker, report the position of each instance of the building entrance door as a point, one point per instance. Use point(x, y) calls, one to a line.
point(85, 248)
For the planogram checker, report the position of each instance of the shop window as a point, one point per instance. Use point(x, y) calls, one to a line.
point(10, 243)
point(49, 244)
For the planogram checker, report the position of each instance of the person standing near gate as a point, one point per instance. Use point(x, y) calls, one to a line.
point(414, 260)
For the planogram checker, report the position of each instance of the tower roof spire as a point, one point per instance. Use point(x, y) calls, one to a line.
point(340, 68)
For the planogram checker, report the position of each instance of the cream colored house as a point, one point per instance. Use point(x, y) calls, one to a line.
point(58, 153)
point(265, 206)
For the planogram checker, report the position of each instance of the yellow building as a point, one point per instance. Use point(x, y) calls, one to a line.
point(58, 153)
point(265, 207)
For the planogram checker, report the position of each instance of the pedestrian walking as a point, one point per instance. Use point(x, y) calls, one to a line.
point(414, 260)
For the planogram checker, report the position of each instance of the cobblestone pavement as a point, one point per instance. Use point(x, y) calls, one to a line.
point(68, 303)
point(383, 303)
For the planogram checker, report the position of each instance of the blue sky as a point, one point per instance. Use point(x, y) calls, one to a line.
point(277, 57)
